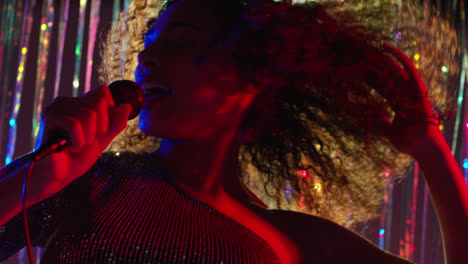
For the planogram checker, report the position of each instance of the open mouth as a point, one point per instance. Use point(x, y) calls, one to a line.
point(157, 91)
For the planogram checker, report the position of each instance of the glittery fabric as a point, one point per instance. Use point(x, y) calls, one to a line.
point(125, 210)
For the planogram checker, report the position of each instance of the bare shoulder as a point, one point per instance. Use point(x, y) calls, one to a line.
point(323, 241)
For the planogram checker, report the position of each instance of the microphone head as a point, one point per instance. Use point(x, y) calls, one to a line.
point(127, 92)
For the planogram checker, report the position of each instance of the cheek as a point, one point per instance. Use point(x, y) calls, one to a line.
point(201, 90)
point(208, 96)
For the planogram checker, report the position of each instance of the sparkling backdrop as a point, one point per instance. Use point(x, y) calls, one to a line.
point(48, 49)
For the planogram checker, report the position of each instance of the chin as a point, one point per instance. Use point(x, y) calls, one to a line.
point(149, 125)
point(152, 125)
point(178, 126)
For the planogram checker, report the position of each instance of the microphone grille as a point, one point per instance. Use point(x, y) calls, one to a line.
point(127, 92)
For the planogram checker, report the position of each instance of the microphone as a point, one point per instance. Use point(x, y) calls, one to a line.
point(123, 92)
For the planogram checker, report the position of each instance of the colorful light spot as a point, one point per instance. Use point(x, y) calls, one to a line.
point(43, 27)
point(12, 122)
point(381, 232)
point(465, 163)
point(304, 173)
point(387, 173)
point(445, 69)
point(24, 50)
point(417, 56)
point(317, 187)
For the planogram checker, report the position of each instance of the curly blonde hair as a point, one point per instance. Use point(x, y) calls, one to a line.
point(310, 140)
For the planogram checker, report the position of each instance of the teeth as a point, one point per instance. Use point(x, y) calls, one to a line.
point(158, 91)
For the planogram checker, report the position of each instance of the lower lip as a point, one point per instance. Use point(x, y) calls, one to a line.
point(154, 98)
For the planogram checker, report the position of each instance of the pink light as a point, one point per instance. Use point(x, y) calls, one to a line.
point(387, 173)
point(304, 174)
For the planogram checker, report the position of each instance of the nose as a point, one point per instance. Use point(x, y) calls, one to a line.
point(148, 64)
point(148, 60)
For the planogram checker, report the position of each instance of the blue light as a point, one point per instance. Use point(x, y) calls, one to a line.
point(465, 163)
point(382, 232)
point(12, 122)
point(7, 160)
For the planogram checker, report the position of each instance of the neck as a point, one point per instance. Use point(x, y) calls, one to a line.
point(206, 167)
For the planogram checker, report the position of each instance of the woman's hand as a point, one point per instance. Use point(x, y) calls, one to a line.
point(414, 123)
point(415, 131)
point(91, 121)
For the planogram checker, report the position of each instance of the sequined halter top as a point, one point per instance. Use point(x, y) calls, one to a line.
point(123, 211)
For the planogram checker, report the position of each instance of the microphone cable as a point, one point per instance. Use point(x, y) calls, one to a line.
point(25, 216)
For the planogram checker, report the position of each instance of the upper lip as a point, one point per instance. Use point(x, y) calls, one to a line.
point(148, 87)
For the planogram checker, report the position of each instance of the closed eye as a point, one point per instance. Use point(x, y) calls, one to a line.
point(177, 35)
point(179, 44)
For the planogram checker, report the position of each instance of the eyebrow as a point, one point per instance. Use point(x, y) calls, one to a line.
point(175, 25)
point(183, 24)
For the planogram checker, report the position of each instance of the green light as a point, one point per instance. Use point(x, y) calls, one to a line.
point(43, 27)
point(78, 50)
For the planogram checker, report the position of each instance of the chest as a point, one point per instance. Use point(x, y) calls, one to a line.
point(152, 222)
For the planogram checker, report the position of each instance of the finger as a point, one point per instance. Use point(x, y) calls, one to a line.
point(71, 125)
point(395, 69)
point(102, 91)
point(103, 101)
point(88, 120)
point(117, 123)
point(80, 110)
point(407, 62)
point(102, 110)
point(409, 67)
point(419, 90)
point(388, 77)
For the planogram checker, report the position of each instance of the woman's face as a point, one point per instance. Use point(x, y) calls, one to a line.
point(204, 95)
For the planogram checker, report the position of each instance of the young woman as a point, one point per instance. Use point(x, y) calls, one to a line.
point(281, 87)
